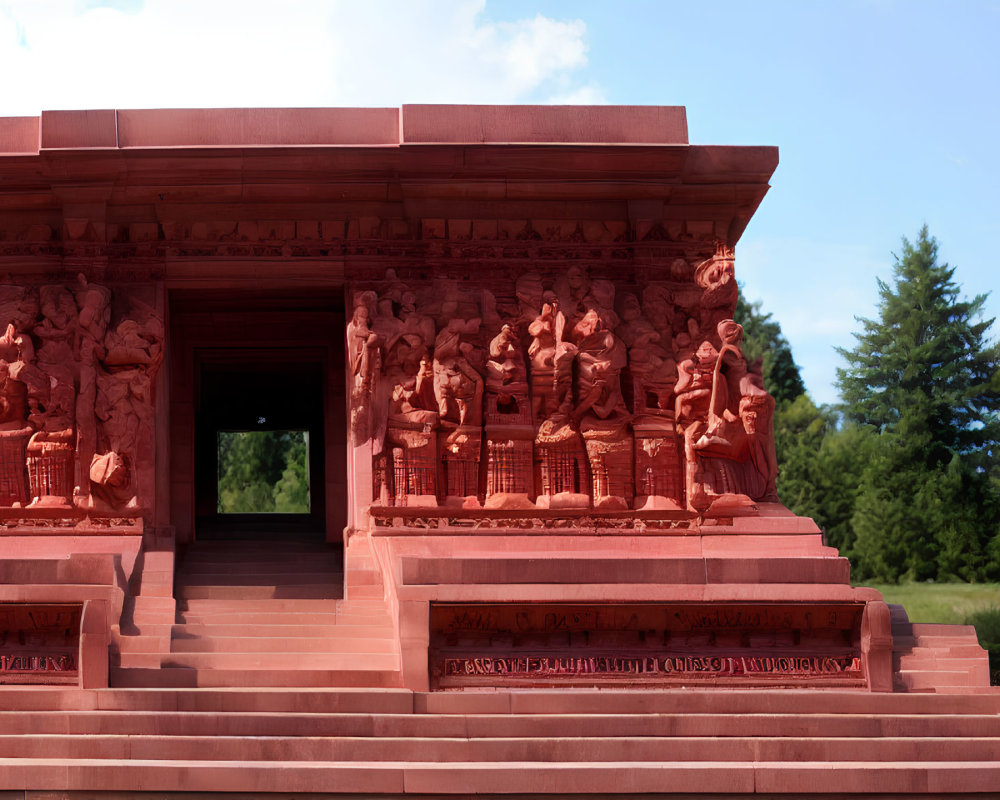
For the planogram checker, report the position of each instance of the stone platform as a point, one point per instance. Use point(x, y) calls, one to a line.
point(277, 676)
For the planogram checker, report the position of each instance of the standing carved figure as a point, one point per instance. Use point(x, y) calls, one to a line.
point(363, 353)
point(601, 414)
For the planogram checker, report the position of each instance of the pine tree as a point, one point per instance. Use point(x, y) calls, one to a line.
point(926, 379)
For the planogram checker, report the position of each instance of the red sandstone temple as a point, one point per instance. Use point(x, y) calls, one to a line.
point(542, 553)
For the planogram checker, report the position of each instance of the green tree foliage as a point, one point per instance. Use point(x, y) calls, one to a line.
point(924, 380)
point(820, 462)
point(263, 471)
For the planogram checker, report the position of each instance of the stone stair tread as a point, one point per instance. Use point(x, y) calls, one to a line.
point(336, 644)
point(262, 617)
point(185, 677)
point(492, 726)
point(240, 592)
point(478, 777)
point(226, 630)
point(248, 659)
point(524, 749)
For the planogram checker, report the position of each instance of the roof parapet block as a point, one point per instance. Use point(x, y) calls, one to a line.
point(458, 124)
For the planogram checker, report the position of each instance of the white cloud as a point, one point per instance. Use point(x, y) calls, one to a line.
point(177, 53)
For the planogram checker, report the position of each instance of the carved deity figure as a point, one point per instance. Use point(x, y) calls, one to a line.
point(717, 279)
point(363, 354)
point(506, 376)
point(728, 440)
point(692, 397)
point(457, 385)
point(551, 357)
point(600, 358)
point(412, 439)
point(739, 428)
point(509, 433)
point(578, 294)
point(601, 414)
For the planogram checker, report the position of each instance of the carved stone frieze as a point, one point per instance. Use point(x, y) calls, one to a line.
point(77, 365)
point(561, 389)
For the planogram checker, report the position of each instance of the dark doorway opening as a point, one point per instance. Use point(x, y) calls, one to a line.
point(269, 405)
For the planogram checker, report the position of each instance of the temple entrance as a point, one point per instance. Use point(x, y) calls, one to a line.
point(257, 415)
point(259, 433)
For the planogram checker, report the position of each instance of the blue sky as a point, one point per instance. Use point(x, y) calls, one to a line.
point(885, 112)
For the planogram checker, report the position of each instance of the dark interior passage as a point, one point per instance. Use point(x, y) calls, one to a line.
point(269, 393)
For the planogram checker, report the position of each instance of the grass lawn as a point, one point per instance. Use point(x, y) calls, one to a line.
point(940, 602)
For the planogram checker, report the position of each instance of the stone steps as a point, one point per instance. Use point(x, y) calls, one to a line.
point(530, 742)
point(263, 613)
point(928, 656)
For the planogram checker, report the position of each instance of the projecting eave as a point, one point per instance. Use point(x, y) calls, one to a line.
point(621, 162)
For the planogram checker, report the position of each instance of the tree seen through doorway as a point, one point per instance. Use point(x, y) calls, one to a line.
point(263, 472)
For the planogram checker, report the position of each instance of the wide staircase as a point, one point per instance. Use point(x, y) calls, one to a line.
point(393, 742)
point(261, 612)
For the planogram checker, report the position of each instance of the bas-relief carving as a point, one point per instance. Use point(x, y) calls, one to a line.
point(76, 404)
point(572, 392)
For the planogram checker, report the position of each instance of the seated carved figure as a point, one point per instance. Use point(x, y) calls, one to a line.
point(600, 359)
point(506, 377)
point(736, 459)
point(509, 434)
point(411, 435)
point(730, 450)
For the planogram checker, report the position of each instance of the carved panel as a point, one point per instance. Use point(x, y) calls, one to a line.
point(77, 365)
point(763, 644)
point(571, 388)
